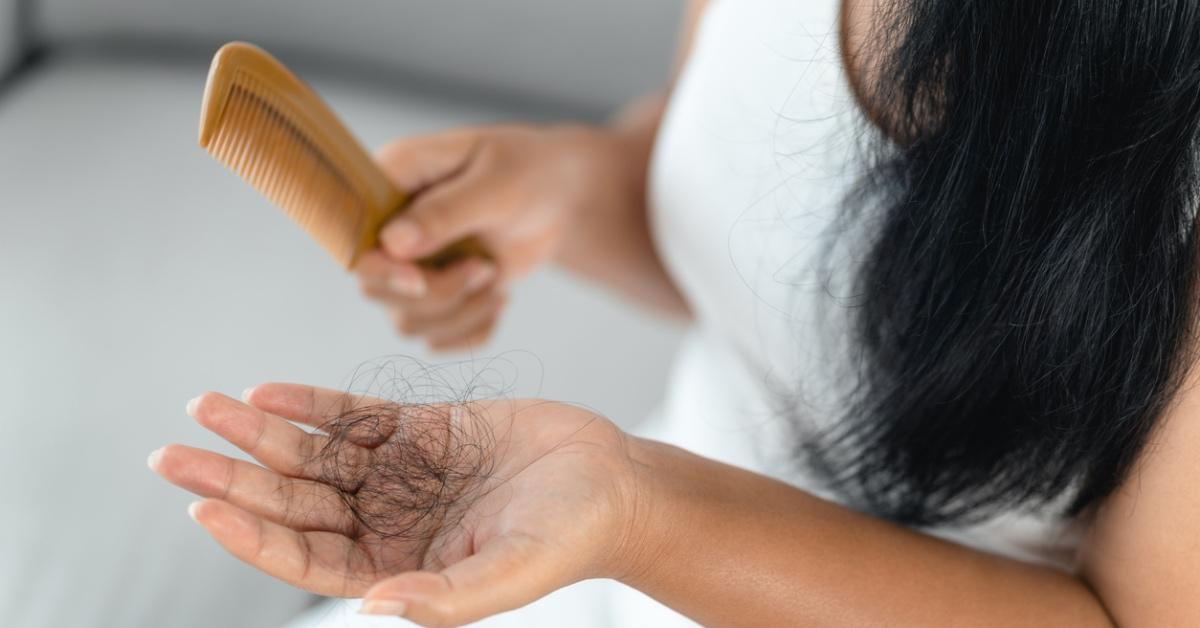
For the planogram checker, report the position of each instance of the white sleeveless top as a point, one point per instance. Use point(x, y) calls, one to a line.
point(757, 150)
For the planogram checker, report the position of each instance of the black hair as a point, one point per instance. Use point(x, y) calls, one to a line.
point(426, 466)
point(1027, 301)
point(408, 453)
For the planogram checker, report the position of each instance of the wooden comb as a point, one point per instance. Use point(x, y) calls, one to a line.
point(272, 130)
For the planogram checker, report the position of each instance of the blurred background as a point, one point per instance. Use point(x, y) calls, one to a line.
point(135, 272)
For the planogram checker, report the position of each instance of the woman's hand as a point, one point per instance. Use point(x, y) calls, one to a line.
point(516, 189)
point(441, 514)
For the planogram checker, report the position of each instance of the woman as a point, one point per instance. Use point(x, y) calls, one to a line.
point(965, 229)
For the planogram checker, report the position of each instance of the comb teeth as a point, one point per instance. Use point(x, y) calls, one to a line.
point(262, 141)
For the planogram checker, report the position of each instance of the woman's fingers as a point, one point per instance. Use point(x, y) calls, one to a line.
point(360, 420)
point(324, 563)
point(416, 163)
point(438, 329)
point(453, 284)
point(468, 338)
point(298, 504)
point(383, 278)
point(440, 291)
point(272, 441)
point(309, 405)
point(448, 307)
point(465, 205)
point(507, 573)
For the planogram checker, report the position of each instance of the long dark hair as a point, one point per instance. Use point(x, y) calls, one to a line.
point(1028, 302)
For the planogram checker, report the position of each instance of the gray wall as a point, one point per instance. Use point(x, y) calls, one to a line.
point(583, 53)
point(8, 34)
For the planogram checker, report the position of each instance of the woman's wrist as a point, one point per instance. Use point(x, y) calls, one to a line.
point(656, 496)
point(608, 168)
point(702, 530)
point(607, 238)
point(606, 178)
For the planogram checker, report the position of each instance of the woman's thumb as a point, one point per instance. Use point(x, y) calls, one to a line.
point(425, 168)
point(445, 214)
point(508, 573)
point(415, 163)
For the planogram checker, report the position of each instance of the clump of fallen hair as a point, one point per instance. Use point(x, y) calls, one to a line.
point(410, 451)
point(424, 466)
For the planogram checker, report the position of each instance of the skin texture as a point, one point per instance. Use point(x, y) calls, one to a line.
point(1142, 552)
point(578, 499)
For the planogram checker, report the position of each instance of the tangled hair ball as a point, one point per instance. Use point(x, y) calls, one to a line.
point(409, 452)
point(425, 467)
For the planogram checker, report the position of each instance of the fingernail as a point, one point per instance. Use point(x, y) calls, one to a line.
point(384, 607)
point(402, 236)
point(191, 405)
point(480, 277)
point(192, 507)
point(152, 460)
point(407, 285)
point(246, 394)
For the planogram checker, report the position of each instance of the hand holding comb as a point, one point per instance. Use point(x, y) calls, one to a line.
point(267, 126)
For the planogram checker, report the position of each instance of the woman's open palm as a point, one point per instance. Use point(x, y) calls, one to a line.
point(441, 513)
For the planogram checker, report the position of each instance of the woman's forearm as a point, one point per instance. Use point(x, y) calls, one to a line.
point(729, 547)
point(609, 241)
